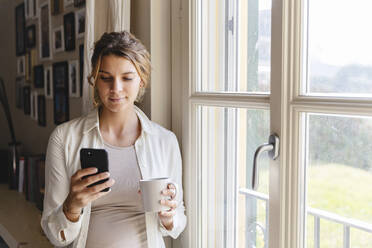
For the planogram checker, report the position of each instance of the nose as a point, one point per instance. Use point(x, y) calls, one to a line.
point(117, 85)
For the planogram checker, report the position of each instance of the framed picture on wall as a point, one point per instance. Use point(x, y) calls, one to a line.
point(30, 36)
point(73, 79)
point(48, 80)
point(56, 6)
point(39, 76)
point(60, 92)
point(26, 100)
point(21, 66)
point(81, 67)
point(58, 40)
point(20, 29)
point(79, 3)
point(68, 3)
point(80, 23)
point(45, 32)
point(69, 31)
point(33, 104)
point(41, 111)
point(20, 82)
point(30, 8)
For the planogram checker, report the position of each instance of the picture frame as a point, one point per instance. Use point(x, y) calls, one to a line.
point(30, 63)
point(81, 67)
point(56, 6)
point(41, 110)
point(80, 23)
point(45, 32)
point(30, 8)
point(20, 24)
point(26, 100)
point(73, 78)
point(69, 31)
point(68, 3)
point(39, 76)
point(79, 3)
point(30, 36)
point(60, 92)
point(33, 104)
point(58, 39)
point(21, 66)
point(48, 82)
point(20, 82)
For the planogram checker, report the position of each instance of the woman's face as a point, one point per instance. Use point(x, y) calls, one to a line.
point(118, 83)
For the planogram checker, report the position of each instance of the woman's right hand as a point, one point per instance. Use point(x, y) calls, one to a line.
point(80, 195)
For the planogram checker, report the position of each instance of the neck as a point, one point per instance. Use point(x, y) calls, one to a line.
point(118, 123)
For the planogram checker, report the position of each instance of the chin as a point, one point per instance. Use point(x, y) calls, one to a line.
point(116, 108)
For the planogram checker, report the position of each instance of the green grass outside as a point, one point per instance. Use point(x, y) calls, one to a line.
point(335, 188)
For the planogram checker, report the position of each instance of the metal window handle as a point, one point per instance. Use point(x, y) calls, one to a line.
point(273, 148)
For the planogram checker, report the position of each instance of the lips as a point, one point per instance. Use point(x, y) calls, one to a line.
point(116, 99)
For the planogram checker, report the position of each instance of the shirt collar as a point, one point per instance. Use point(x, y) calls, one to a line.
point(92, 121)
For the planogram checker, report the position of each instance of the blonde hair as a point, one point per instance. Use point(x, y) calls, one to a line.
point(122, 44)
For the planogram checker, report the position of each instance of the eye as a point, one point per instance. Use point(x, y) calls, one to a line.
point(128, 79)
point(105, 78)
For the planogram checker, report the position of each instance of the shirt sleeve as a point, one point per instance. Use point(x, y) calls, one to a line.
point(57, 186)
point(175, 163)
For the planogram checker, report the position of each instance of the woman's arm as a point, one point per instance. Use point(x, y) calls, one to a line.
point(59, 230)
point(175, 164)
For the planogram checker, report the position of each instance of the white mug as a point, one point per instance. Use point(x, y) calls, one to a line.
point(151, 193)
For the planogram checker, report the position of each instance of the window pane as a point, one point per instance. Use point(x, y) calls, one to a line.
point(230, 215)
point(338, 176)
point(339, 47)
point(234, 47)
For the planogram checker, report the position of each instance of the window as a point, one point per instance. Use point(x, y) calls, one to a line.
point(300, 69)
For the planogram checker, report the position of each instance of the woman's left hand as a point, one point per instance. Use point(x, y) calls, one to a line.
point(166, 217)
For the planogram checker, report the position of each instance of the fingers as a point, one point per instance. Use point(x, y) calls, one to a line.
point(170, 191)
point(83, 172)
point(169, 203)
point(168, 214)
point(99, 187)
point(92, 179)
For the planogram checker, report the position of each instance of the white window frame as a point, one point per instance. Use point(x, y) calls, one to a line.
point(287, 218)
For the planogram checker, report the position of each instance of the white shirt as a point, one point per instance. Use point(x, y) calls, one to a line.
point(158, 155)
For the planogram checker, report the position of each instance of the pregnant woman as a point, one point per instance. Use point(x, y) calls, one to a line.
point(75, 215)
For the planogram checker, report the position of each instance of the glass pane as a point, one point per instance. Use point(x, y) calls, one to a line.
point(232, 215)
point(234, 46)
point(338, 177)
point(339, 47)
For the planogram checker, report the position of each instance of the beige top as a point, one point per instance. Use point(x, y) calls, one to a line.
point(118, 219)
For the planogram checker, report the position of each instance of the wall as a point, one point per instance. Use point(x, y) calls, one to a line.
point(33, 137)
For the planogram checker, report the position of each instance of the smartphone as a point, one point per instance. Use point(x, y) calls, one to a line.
point(90, 157)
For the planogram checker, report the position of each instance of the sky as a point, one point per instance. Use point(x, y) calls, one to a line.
point(340, 31)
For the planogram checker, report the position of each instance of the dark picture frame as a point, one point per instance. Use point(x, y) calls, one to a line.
point(56, 6)
point(79, 3)
point(30, 36)
point(39, 76)
point(20, 21)
point(20, 82)
point(69, 31)
point(45, 48)
point(81, 67)
point(60, 92)
point(27, 100)
point(41, 117)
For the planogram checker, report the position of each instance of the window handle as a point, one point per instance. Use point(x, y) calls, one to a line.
point(273, 148)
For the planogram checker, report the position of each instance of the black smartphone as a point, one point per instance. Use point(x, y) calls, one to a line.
point(90, 157)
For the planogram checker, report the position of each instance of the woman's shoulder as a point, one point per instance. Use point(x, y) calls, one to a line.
point(74, 126)
point(161, 133)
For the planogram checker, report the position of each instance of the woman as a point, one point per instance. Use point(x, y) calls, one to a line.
point(138, 148)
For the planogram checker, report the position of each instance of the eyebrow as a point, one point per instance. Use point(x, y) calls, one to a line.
point(128, 72)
